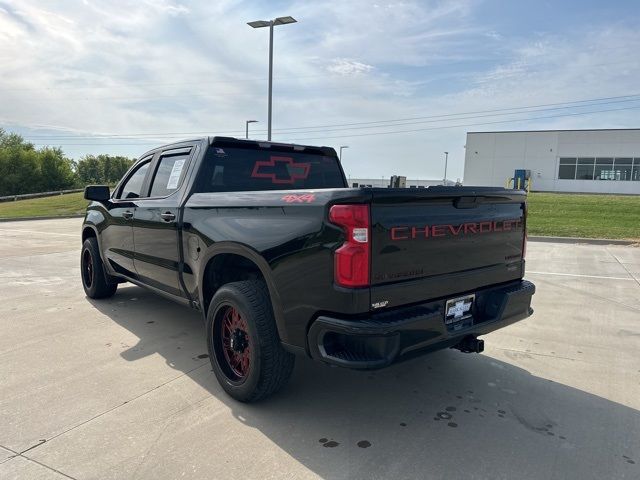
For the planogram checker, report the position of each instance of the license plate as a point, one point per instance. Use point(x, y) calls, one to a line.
point(458, 308)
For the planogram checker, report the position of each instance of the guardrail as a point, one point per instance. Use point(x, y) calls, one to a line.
point(13, 198)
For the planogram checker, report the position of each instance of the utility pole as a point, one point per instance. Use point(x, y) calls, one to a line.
point(446, 160)
point(271, 24)
point(270, 80)
point(341, 147)
point(246, 135)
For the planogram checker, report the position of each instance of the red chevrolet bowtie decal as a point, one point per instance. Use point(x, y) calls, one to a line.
point(281, 170)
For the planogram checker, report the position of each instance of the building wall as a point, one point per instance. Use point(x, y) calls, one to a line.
point(492, 157)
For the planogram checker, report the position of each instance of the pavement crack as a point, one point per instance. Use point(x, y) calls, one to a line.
point(134, 475)
point(20, 454)
point(15, 454)
point(40, 442)
point(624, 266)
point(48, 467)
point(126, 402)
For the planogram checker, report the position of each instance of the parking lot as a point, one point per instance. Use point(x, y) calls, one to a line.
point(122, 388)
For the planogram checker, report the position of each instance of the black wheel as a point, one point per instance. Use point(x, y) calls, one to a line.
point(95, 281)
point(245, 351)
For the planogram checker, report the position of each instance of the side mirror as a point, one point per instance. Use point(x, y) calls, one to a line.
point(99, 193)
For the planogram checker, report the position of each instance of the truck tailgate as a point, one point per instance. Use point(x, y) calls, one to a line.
point(443, 241)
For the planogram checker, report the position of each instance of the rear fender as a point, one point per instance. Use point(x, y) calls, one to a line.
point(252, 255)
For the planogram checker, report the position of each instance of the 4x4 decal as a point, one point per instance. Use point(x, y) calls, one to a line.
point(304, 198)
point(271, 168)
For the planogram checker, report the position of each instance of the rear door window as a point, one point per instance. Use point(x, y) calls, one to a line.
point(240, 169)
point(169, 174)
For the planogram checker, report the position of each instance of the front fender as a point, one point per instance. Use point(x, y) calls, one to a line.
point(96, 221)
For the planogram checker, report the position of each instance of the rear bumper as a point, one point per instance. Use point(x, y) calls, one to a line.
point(383, 338)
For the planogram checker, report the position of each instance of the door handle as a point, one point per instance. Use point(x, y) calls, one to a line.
point(127, 215)
point(168, 216)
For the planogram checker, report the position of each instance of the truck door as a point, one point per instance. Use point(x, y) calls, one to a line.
point(155, 223)
point(117, 236)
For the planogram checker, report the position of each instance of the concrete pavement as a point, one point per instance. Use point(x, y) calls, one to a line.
point(122, 388)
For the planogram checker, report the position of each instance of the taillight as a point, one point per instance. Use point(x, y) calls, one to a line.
point(351, 260)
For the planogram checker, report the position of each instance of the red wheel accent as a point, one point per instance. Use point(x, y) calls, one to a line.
point(235, 342)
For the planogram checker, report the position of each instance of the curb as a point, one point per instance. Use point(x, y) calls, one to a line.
point(24, 219)
point(590, 241)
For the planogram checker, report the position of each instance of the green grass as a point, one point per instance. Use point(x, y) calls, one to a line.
point(590, 216)
point(550, 214)
point(57, 205)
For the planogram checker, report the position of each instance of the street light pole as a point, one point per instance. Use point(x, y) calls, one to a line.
point(446, 160)
point(271, 24)
point(270, 79)
point(246, 135)
point(341, 147)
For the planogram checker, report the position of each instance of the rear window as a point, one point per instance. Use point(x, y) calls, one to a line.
point(240, 169)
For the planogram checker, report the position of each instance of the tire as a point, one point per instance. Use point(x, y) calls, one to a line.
point(95, 281)
point(244, 348)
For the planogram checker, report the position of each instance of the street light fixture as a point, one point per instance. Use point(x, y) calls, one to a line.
point(446, 160)
point(246, 135)
point(341, 147)
point(271, 24)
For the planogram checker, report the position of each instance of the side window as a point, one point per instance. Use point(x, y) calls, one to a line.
point(169, 174)
point(133, 186)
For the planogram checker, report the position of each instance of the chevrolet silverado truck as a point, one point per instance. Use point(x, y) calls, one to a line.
point(283, 258)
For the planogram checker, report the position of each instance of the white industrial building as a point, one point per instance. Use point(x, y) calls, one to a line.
point(588, 161)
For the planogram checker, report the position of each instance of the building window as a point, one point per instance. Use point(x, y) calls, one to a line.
point(604, 169)
point(601, 168)
point(623, 168)
point(567, 169)
point(635, 176)
point(585, 169)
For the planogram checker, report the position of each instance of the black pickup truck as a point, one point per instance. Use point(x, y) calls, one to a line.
point(282, 258)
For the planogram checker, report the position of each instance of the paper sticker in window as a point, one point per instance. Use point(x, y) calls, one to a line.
point(176, 171)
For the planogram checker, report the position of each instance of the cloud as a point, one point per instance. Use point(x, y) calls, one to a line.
point(401, 33)
point(557, 68)
point(345, 66)
point(167, 6)
point(16, 16)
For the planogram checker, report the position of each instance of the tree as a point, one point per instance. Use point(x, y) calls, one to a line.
point(56, 170)
point(90, 170)
point(102, 169)
point(19, 171)
point(19, 165)
point(25, 169)
point(13, 141)
point(114, 167)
